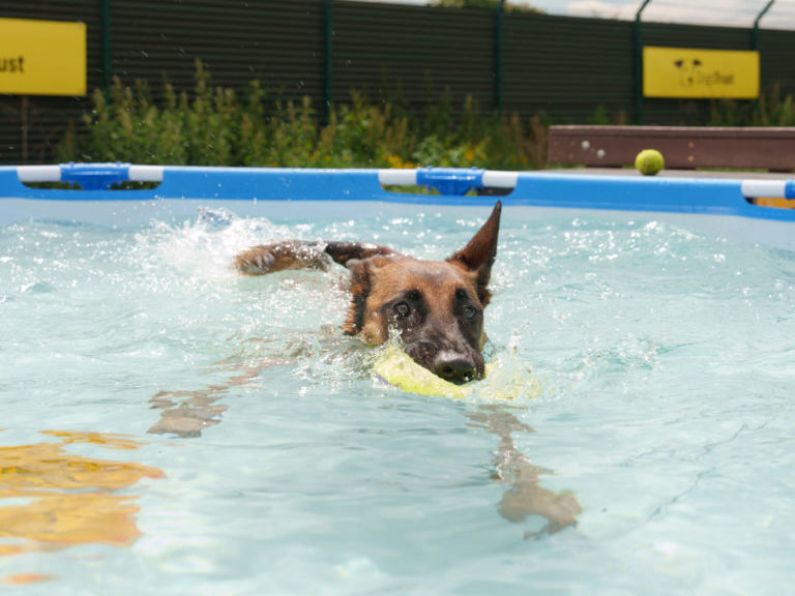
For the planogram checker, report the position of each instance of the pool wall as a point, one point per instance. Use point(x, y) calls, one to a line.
point(177, 190)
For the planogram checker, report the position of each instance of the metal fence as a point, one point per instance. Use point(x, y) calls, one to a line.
point(526, 63)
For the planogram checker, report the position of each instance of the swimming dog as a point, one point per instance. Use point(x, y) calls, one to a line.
point(436, 307)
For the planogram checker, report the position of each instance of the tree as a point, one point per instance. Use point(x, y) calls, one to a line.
point(484, 4)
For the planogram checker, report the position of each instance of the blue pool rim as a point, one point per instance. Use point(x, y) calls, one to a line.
point(708, 196)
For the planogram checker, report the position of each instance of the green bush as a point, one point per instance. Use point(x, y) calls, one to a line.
point(771, 109)
point(217, 126)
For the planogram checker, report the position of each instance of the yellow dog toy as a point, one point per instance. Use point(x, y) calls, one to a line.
point(504, 381)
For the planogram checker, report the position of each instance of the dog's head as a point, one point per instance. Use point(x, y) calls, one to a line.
point(435, 306)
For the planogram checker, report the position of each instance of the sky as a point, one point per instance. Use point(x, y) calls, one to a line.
point(740, 13)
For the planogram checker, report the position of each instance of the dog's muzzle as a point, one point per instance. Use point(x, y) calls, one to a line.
point(456, 366)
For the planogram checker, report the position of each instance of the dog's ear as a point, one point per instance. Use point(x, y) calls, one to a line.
point(360, 290)
point(479, 254)
point(368, 325)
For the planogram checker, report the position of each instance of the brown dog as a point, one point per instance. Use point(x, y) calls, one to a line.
point(435, 306)
point(437, 309)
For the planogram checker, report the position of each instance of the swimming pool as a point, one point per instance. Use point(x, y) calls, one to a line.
point(662, 340)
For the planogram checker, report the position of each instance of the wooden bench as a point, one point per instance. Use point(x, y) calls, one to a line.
point(683, 147)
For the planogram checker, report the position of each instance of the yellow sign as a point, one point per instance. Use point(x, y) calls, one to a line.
point(694, 72)
point(42, 57)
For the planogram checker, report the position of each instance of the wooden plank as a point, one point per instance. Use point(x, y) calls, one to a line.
point(684, 147)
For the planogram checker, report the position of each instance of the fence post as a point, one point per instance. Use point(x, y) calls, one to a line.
point(499, 97)
point(107, 63)
point(328, 59)
point(24, 125)
point(755, 29)
point(639, 64)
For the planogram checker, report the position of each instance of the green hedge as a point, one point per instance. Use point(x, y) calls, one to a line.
point(771, 109)
point(217, 126)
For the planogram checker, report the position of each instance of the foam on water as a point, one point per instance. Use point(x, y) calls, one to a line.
point(666, 359)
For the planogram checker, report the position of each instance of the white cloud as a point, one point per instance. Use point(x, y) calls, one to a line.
point(738, 13)
point(598, 8)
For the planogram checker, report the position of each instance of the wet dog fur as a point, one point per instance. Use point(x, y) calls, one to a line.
point(436, 307)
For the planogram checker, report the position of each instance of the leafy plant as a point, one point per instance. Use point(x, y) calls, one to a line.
point(771, 109)
point(218, 126)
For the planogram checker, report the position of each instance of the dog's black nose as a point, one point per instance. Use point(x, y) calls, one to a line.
point(454, 368)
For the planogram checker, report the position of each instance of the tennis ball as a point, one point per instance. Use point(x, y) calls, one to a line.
point(649, 162)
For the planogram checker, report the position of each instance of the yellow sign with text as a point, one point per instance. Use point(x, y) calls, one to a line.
point(42, 57)
point(698, 73)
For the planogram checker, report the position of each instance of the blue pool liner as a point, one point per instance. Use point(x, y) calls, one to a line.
point(559, 190)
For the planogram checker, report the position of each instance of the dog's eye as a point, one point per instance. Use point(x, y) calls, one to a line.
point(402, 309)
point(470, 312)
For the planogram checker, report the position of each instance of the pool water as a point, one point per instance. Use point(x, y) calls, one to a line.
point(666, 359)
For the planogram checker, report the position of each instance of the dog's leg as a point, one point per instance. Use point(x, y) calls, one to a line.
point(525, 496)
point(300, 254)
